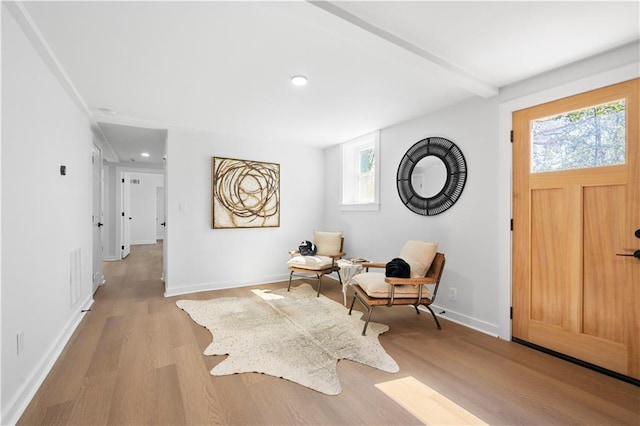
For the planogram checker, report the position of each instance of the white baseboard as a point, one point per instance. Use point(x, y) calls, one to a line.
point(143, 242)
point(467, 321)
point(198, 288)
point(16, 406)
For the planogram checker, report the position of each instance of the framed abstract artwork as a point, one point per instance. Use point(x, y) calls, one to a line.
point(246, 194)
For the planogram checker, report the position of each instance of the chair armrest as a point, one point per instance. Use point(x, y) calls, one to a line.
point(413, 281)
point(373, 265)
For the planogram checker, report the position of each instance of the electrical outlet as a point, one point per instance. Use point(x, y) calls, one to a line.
point(20, 342)
point(453, 294)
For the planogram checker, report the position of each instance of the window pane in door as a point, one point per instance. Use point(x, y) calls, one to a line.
point(589, 137)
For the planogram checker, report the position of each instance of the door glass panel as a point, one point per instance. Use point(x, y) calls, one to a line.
point(589, 137)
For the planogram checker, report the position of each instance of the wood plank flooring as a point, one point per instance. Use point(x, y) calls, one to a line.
point(137, 359)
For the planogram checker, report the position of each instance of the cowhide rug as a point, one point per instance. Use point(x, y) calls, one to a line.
point(294, 335)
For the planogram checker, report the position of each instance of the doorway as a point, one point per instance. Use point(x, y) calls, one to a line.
point(160, 215)
point(141, 209)
point(576, 204)
point(97, 217)
point(125, 217)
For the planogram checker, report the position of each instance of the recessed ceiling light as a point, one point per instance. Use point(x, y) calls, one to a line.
point(145, 154)
point(299, 80)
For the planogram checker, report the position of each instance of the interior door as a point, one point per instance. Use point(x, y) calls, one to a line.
point(96, 216)
point(160, 216)
point(576, 209)
point(126, 215)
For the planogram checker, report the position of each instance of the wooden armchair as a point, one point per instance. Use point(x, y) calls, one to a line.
point(374, 289)
point(329, 250)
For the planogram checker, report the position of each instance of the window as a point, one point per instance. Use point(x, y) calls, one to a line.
point(360, 173)
point(589, 137)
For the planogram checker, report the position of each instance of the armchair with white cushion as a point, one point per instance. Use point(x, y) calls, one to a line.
point(329, 247)
point(375, 289)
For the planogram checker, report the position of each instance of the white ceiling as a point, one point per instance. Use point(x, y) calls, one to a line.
point(130, 142)
point(224, 67)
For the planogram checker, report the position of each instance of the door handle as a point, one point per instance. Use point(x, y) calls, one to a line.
point(130, 218)
point(100, 224)
point(637, 233)
point(635, 254)
point(164, 224)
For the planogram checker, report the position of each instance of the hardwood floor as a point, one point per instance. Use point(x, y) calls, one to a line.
point(137, 359)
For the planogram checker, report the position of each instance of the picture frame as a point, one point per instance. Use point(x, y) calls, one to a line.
point(245, 193)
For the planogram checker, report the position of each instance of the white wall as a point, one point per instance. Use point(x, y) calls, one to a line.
point(201, 258)
point(143, 207)
point(45, 216)
point(474, 233)
point(468, 240)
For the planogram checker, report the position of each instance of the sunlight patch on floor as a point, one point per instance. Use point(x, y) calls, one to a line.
point(266, 294)
point(429, 406)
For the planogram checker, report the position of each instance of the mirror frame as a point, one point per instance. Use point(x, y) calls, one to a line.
point(449, 153)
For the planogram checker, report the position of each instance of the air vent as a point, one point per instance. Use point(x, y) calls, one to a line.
point(135, 181)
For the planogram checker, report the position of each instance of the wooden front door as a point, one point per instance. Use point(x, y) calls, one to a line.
point(576, 208)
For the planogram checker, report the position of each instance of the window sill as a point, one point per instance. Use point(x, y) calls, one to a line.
point(360, 207)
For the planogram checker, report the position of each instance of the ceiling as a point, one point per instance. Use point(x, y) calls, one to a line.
point(225, 67)
point(129, 143)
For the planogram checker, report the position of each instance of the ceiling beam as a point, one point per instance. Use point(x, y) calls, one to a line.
point(460, 77)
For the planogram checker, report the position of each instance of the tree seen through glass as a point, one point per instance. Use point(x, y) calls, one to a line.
point(589, 137)
point(366, 181)
point(366, 160)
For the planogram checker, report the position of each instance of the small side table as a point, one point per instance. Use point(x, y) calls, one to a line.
point(348, 270)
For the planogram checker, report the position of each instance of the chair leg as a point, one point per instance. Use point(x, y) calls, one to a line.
point(319, 284)
point(369, 311)
point(434, 316)
point(364, 305)
point(290, 276)
point(417, 310)
point(352, 303)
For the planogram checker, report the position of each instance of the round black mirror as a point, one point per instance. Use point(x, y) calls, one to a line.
point(431, 176)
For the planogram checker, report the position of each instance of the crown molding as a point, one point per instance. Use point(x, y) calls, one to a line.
point(37, 40)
